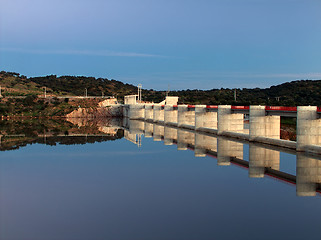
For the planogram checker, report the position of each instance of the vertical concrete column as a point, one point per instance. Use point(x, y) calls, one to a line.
point(228, 121)
point(185, 116)
point(136, 111)
point(308, 174)
point(227, 149)
point(170, 114)
point(262, 125)
point(205, 118)
point(260, 158)
point(308, 127)
point(158, 113)
point(148, 130)
point(126, 111)
point(158, 132)
point(170, 134)
point(149, 115)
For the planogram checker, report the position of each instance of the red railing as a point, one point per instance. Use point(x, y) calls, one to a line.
point(212, 106)
point(267, 108)
point(283, 109)
point(240, 107)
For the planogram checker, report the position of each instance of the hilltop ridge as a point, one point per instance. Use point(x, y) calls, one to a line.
point(299, 92)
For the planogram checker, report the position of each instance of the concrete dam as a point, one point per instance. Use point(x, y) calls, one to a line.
point(226, 120)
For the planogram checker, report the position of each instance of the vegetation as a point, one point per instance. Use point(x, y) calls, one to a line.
point(295, 93)
point(22, 132)
point(33, 103)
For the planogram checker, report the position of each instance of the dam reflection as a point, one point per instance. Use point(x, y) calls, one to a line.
point(262, 160)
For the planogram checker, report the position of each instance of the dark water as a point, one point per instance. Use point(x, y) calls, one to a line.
point(103, 186)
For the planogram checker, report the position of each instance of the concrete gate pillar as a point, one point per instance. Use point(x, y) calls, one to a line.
point(158, 113)
point(262, 125)
point(205, 118)
point(228, 121)
point(136, 111)
point(186, 116)
point(308, 127)
point(149, 112)
point(126, 110)
point(170, 114)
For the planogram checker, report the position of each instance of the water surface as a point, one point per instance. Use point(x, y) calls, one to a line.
point(101, 181)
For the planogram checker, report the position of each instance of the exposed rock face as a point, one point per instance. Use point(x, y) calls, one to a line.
point(97, 112)
point(108, 102)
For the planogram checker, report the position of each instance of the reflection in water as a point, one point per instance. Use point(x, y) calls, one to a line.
point(18, 133)
point(114, 190)
point(262, 160)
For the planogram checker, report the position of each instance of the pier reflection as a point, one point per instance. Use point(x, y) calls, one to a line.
point(261, 161)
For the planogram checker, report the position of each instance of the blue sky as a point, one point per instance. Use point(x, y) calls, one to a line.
point(182, 43)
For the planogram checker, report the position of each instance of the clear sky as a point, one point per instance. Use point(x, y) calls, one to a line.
point(182, 43)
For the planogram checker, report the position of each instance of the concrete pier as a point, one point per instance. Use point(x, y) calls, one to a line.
point(228, 121)
point(170, 114)
point(186, 117)
point(136, 111)
point(308, 127)
point(262, 125)
point(158, 115)
point(149, 112)
point(204, 118)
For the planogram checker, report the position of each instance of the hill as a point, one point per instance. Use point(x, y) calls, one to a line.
point(295, 93)
point(303, 92)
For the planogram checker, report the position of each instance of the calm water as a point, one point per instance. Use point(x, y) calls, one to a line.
point(97, 181)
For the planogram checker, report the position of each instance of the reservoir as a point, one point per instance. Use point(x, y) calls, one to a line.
point(98, 180)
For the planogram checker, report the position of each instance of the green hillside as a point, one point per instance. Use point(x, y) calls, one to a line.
point(295, 93)
point(303, 92)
